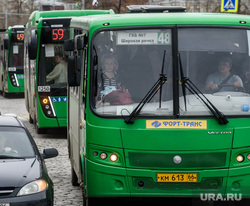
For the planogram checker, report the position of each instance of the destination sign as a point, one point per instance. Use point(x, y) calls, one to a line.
point(144, 37)
point(176, 124)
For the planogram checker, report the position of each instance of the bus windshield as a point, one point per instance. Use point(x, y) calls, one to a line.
point(52, 66)
point(52, 60)
point(16, 55)
point(128, 63)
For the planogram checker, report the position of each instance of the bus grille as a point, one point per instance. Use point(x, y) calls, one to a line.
point(189, 160)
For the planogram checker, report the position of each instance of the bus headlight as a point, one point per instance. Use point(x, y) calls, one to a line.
point(248, 156)
point(240, 158)
point(113, 157)
point(103, 155)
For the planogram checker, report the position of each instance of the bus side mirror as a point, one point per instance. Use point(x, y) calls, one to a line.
point(6, 42)
point(32, 45)
point(74, 71)
point(69, 45)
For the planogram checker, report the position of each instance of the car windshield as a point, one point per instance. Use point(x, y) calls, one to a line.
point(14, 142)
point(127, 63)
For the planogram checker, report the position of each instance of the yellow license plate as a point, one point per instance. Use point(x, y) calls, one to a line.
point(176, 177)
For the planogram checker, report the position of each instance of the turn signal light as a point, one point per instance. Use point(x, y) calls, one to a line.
point(45, 101)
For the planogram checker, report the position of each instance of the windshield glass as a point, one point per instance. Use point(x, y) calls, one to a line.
point(52, 66)
point(15, 142)
point(217, 62)
point(16, 55)
point(127, 63)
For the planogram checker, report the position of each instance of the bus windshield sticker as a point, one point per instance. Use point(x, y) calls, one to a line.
point(49, 50)
point(15, 49)
point(56, 25)
point(124, 110)
point(176, 124)
point(144, 37)
point(43, 88)
point(12, 69)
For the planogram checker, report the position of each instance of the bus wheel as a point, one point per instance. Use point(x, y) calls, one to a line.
point(40, 130)
point(74, 179)
point(30, 119)
point(5, 94)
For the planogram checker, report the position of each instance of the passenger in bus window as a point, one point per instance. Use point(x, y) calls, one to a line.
point(59, 73)
point(109, 80)
point(223, 79)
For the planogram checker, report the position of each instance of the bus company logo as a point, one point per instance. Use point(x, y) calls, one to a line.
point(177, 159)
point(156, 124)
point(219, 197)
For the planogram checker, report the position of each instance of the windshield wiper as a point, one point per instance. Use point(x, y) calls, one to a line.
point(151, 93)
point(188, 84)
point(9, 157)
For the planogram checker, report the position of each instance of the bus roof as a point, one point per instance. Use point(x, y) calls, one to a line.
point(145, 19)
point(36, 15)
point(154, 9)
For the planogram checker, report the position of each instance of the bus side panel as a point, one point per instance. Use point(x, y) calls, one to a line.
point(73, 131)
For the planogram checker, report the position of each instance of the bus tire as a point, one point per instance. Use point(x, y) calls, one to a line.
point(74, 179)
point(30, 119)
point(40, 130)
point(85, 200)
point(5, 94)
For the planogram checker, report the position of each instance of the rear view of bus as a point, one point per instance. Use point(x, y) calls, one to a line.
point(12, 75)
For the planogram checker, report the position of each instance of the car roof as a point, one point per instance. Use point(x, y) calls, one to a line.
point(10, 121)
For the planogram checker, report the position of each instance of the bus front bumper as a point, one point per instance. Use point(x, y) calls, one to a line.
point(110, 181)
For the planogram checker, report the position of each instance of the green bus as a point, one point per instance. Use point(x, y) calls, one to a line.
point(154, 128)
point(45, 66)
point(11, 58)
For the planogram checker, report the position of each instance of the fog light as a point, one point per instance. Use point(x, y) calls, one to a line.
point(113, 157)
point(103, 155)
point(240, 158)
point(248, 156)
point(49, 112)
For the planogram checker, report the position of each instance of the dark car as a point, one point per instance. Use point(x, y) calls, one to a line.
point(24, 178)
